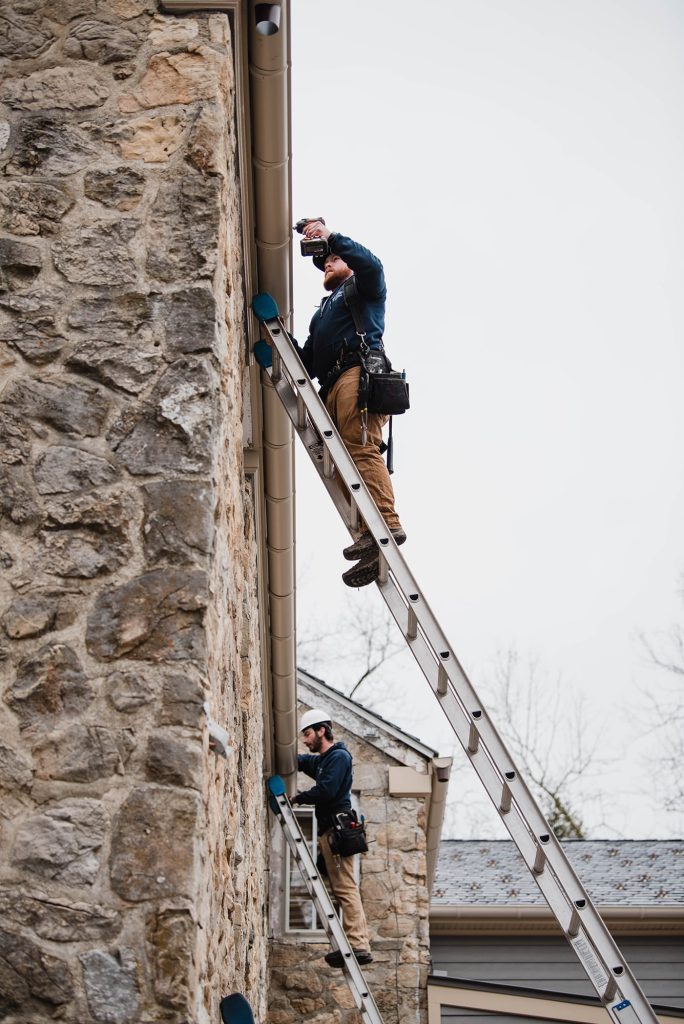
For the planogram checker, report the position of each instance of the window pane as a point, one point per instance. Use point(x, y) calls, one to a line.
point(301, 914)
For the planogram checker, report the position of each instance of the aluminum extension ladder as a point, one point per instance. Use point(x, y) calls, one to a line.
point(315, 885)
point(577, 916)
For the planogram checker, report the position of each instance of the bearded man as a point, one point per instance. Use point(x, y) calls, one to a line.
point(330, 765)
point(331, 354)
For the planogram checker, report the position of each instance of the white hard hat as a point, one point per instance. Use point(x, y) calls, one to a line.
point(314, 717)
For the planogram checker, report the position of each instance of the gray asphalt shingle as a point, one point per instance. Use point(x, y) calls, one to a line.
point(625, 872)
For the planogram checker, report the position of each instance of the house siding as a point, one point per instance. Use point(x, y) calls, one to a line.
point(464, 1016)
point(551, 966)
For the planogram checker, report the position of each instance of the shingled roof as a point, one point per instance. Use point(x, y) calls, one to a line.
point(624, 872)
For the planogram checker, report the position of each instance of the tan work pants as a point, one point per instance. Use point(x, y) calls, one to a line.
point(343, 884)
point(342, 404)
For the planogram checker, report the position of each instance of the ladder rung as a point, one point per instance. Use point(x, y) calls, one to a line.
point(301, 413)
point(328, 465)
point(442, 681)
point(610, 990)
point(540, 856)
point(506, 795)
point(384, 571)
point(412, 625)
point(574, 926)
point(474, 736)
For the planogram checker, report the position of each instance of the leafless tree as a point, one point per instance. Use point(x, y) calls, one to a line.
point(545, 726)
point(548, 732)
point(665, 716)
point(360, 644)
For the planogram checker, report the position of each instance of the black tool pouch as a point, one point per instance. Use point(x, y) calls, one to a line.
point(388, 393)
point(348, 835)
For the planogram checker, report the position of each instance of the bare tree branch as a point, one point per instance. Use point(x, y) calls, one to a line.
point(547, 729)
point(665, 718)
point(550, 737)
point(364, 639)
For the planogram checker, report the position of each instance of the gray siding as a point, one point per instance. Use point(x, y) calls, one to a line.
point(469, 1017)
point(550, 965)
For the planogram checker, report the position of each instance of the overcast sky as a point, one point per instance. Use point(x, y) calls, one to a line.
point(517, 165)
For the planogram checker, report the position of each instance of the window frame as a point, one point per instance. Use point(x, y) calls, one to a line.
point(313, 934)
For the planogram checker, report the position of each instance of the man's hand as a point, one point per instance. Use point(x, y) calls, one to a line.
point(316, 229)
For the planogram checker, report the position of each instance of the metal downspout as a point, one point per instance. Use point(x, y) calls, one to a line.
point(441, 770)
point(269, 72)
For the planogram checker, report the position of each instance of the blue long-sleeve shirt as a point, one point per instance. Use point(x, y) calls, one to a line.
point(332, 325)
point(332, 792)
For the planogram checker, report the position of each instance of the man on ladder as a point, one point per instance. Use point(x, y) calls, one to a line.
point(331, 354)
point(330, 764)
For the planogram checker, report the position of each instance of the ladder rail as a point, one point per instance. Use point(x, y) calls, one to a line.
point(318, 892)
point(544, 857)
point(541, 850)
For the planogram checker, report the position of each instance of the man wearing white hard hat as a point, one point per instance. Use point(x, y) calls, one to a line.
point(330, 765)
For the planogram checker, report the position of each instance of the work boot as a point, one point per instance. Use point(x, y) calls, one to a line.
point(336, 959)
point(359, 548)
point(364, 572)
point(366, 544)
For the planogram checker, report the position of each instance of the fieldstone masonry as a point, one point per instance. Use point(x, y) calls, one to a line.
point(394, 894)
point(132, 859)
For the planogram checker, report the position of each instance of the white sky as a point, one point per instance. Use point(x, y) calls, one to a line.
point(517, 165)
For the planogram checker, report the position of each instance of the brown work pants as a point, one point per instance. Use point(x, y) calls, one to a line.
point(342, 404)
point(343, 884)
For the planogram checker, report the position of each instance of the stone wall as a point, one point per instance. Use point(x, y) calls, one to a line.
point(131, 857)
point(395, 898)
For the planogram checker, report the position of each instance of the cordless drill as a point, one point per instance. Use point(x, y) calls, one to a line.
point(311, 246)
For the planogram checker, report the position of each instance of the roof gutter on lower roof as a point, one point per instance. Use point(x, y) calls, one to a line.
point(492, 919)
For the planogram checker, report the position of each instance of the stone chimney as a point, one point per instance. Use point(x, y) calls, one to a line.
point(132, 857)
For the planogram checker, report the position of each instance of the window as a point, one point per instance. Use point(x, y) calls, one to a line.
point(301, 915)
point(300, 910)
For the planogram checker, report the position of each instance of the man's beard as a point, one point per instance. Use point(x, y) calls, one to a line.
point(331, 283)
point(316, 745)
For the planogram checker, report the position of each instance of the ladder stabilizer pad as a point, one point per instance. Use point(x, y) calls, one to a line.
point(236, 1010)
point(263, 353)
point(276, 786)
point(264, 306)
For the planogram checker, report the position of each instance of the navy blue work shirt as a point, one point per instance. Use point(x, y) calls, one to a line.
point(332, 792)
point(332, 325)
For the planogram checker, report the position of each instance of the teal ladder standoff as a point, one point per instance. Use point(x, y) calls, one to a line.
point(236, 1010)
point(316, 888)
point(584, 929)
